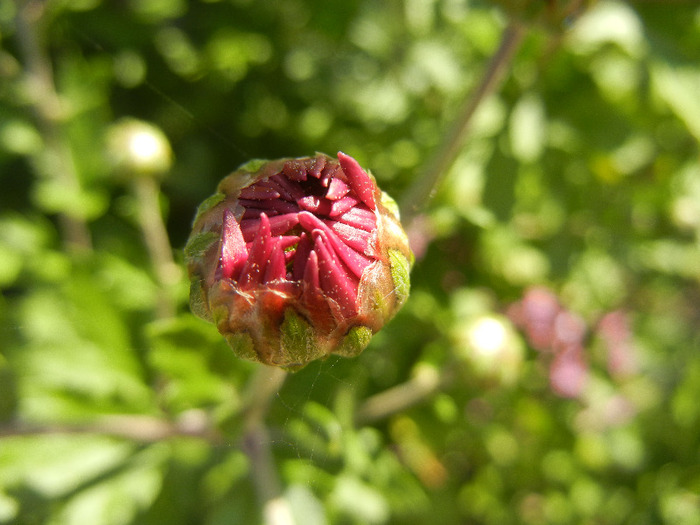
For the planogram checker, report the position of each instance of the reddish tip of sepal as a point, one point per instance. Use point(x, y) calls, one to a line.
point(276, 269)
point(252, 272)
point(335, 282)
point(358, 178)
point(355, 262)
point(233, 249)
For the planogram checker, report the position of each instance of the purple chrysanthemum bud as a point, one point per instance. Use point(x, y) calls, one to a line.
point(296, 259)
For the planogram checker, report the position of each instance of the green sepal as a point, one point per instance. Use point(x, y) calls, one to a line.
point(298, 345)
point(198, 301)
point(208, 204)
point(391, 205)
point(242, 345)
point(400, 269)
point(355, 342)
point(253, 165)
point(200, 243)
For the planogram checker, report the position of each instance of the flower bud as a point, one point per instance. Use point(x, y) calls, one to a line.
point(138, 148)
point(296, 259)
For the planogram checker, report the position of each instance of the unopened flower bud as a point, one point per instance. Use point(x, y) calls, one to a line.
point(138, 149)
point(296, 259)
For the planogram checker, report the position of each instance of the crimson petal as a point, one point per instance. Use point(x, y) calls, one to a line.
point(252, 271)
point(353, 237)
point(233, 248)
point(358, 178)
point(355, 262)
point(337, 189)
point(276, 266)
point(359, 218)
point(335, 282)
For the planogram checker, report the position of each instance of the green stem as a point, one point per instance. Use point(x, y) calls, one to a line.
point(155, 236)
point(420, 192)
point(256, 443)
point(145, 429)
point(56, 160)
point(425, 383)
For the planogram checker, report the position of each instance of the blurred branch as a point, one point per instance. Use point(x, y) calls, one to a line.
point(58, 162)
point(419, 193)
point(425, 383)
point(256, 443)
point(155, 236)
point(134, 427)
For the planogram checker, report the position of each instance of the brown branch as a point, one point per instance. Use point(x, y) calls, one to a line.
point(423, 385)
point(57, 157)
point(155, 235)
point(145, 429)
point(420, 191)
point(256, 444)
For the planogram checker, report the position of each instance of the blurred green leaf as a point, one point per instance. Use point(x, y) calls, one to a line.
point(578, 178)
point(186, 351)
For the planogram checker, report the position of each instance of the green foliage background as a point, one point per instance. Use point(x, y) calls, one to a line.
point(580, 174)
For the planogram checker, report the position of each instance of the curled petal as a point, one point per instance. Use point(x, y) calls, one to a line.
point(283, 223)
point(294, 170)
point(335, 281)
point(276, 205)
point(343, 205)
point(300, 257)
point(311, 278)
point(353, 237)
point(315, 204)
point(337, 189)
point(258, 192)
point(276, 269)
point(279, 224)
point(354, 261)
point(233, 248)
point(359, 180)
point(328, 174)
point(359, 218)
point(287, 190)
point(288, 241)
point(317, 166)
point(252, 272)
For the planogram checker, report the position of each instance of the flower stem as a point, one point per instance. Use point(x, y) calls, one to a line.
point(155, 236)
point(140, 428)
point(256, 444)
point(56, 159)
point(421, 190)
point(420, 387)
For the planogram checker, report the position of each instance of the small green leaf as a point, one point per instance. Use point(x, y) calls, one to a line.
point(252, 166)
point(198, 303)
point(355, 342)
point(400, 268)
point(242, 346)
point(200, 243)
point(298, 344)
point(391, 205)
point(208, 204)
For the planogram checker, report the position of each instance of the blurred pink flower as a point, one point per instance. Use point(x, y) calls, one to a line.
point(568, 373)
point(614, 329)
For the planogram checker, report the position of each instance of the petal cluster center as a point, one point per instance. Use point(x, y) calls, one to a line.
point(312, 226)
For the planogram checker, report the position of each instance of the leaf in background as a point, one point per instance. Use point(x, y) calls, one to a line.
point(120, 498)
point(195, 364)
point(77, 357)
point(678, 86)
point(57, 465)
